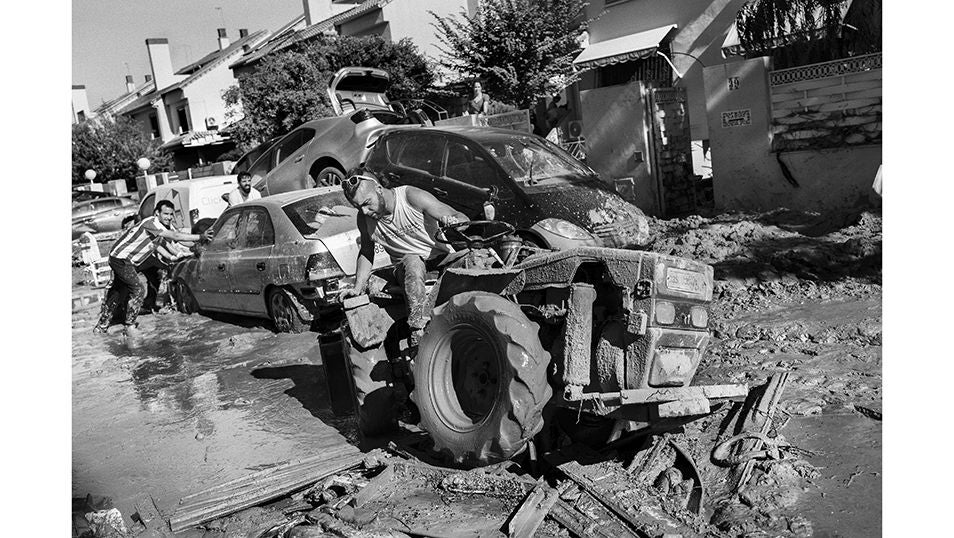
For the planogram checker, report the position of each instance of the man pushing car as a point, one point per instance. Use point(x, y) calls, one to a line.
point(403, 220)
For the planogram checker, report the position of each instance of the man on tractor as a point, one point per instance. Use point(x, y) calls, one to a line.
point(403, 220)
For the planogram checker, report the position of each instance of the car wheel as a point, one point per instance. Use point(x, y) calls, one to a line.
point(183, 297)
point(284, 313)
point(328, 176)
point(480, 379)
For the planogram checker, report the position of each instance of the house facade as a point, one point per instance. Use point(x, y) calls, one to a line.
point(392, 20)
point(639, 107)
point(185, 108)
point(803, 135)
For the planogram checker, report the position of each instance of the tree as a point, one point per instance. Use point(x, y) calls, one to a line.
point(111, 147)
point(523, 49)
point(290, 88)
point(796, 32)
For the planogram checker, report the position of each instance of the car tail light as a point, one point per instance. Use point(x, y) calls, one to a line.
point(665, 313)
point(322, 266)
point(194, 215)
point(700, 317)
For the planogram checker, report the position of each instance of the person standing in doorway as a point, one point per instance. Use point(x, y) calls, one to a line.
point(244, 192)
point(126, 259)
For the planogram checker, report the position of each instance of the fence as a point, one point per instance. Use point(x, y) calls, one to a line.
point(827, 105)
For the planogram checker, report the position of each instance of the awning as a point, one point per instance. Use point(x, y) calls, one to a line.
point(623, 49)
point(732, 46)
point(196, 138)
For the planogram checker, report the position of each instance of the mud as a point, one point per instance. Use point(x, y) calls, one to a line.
point(199, 400)
point(193, 402)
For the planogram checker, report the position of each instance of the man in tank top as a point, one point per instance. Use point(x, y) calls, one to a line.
point(403, 220)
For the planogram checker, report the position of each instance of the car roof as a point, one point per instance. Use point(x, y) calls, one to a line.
point(285, 198)
point(479, 134)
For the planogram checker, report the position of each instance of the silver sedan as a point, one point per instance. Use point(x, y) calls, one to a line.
point(283, 257)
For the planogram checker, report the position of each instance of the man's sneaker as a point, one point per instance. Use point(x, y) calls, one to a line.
point(132, 331)
point(99, 329)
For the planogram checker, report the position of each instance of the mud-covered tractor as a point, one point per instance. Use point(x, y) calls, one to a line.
point(521, 337)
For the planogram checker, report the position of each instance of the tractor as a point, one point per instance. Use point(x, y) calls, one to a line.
point(522, 338)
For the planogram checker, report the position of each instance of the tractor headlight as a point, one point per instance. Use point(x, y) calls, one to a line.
point(565, 229)
point(665, 313)
point(699, 316)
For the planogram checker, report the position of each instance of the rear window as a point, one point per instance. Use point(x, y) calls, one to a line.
point(309, 214)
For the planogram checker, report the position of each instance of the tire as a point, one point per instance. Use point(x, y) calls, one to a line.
point(487, 339)
point(327, 176)
point(185, 301)
point(283, 312)
point(372, 387)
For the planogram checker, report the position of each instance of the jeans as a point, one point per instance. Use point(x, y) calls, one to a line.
point(125, 284)
point(413, 271)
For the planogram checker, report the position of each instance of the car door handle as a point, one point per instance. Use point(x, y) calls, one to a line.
point(221, 267)
point(260, 266)
point(441, 192)
point(300, 157)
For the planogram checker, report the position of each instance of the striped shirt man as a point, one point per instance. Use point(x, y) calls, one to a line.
point(130, 251)
point(139, 242)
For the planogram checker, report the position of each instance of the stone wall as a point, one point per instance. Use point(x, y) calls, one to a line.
point(683, 192)
point(828, 105)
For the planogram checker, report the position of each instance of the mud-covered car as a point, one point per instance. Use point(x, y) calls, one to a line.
point(553, 200)
point(102, 215)
point(284, 257)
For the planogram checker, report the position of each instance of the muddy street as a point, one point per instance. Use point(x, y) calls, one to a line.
point(198, 401)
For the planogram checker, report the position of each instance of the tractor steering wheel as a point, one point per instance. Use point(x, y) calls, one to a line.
point(483, 237)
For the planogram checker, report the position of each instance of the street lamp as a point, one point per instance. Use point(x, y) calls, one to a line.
point(90, 175)
point(143, 164)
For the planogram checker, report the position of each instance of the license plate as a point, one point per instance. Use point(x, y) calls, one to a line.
point(687, 281)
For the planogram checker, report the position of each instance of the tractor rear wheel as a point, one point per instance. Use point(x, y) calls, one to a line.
point(372, 386)
point(480, 379)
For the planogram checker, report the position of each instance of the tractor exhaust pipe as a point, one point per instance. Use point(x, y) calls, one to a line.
point(578, 337)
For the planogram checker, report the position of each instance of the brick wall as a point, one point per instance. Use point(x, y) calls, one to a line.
point(828, 105)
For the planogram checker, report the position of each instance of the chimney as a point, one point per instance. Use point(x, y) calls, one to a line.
point(148, 78)
point(316, 10)
point(243, 33)
point(223, 39)
point(160, 61)
point(80, 104)
point(130, 85)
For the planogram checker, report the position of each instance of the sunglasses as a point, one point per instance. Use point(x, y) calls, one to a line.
point(353, 181)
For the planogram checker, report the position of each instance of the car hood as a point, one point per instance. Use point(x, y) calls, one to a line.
point(594, 207)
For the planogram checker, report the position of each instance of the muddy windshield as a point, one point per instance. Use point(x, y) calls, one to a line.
point(528, 160)
point(309, 214)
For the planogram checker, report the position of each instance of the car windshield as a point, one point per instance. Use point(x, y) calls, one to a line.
point(528, 160)
point(309, 214)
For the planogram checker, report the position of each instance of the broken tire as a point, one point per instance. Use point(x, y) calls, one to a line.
point(372, 386)
point(480, 379)
point(284, 313)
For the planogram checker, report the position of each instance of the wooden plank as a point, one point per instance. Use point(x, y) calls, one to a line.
point(149, 515)
point(586, 517)
point(186, 516)
point(344, 448)
point(863, 94)
point(533, 510)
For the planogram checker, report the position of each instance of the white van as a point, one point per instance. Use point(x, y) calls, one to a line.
point(194, 199)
